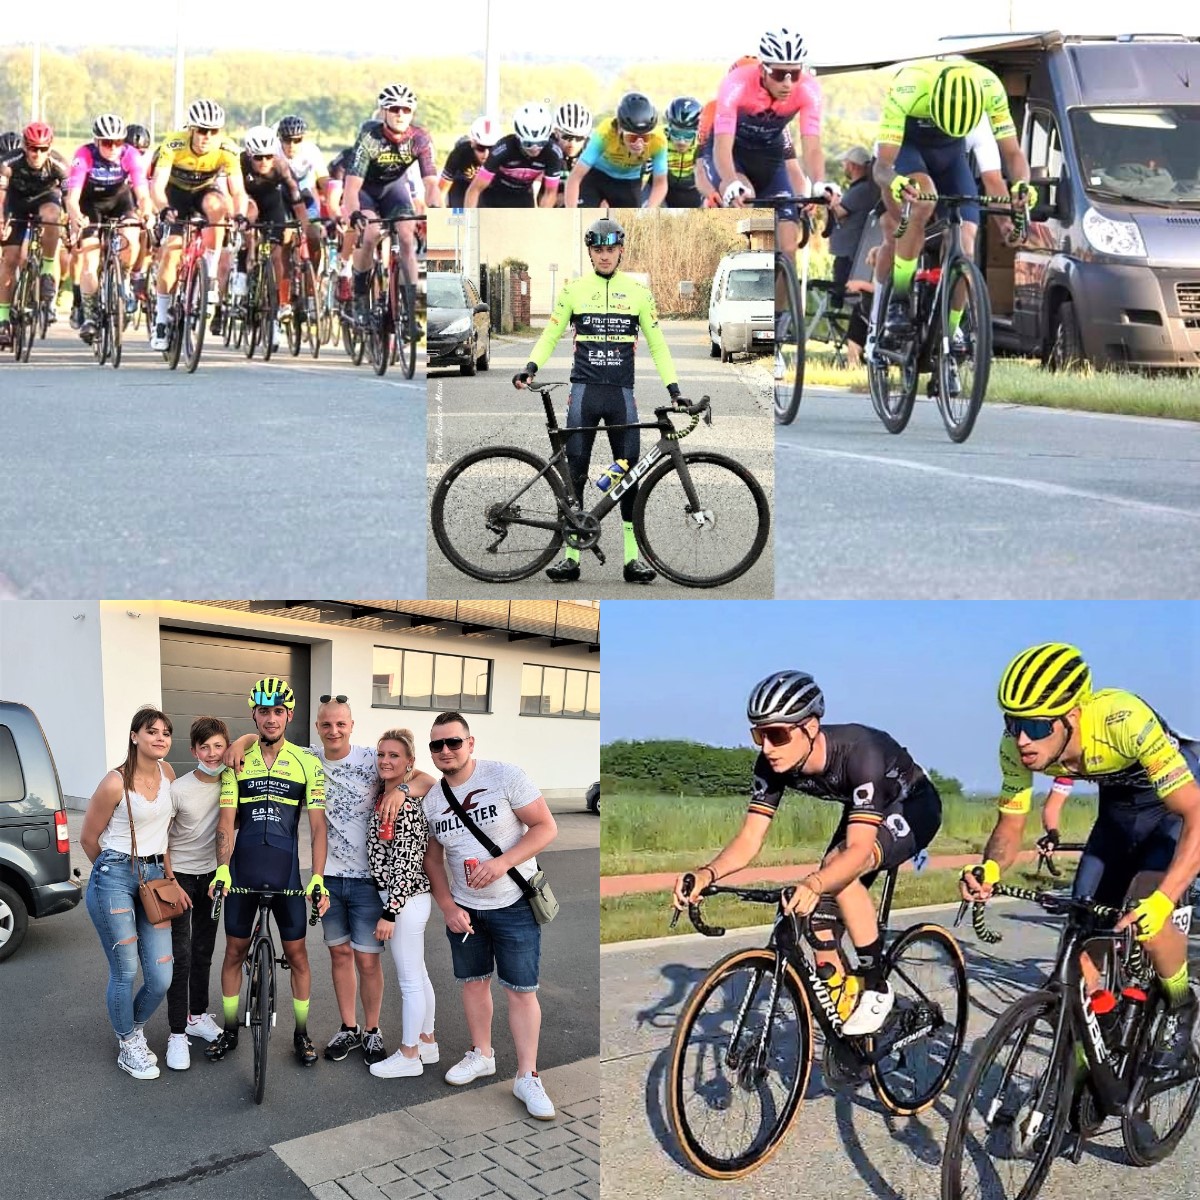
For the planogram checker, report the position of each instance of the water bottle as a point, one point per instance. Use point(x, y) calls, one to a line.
point(843, 989)
point(239, 283)
point(1132, 1007)
point(613, 473)
point(1104, 1004)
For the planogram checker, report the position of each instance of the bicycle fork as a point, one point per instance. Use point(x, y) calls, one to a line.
point(750, 1072)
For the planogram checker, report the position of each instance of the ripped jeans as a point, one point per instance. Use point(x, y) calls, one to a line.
point(128, 937)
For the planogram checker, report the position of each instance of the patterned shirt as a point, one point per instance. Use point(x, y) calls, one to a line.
point(351, 785)
point(398, 866)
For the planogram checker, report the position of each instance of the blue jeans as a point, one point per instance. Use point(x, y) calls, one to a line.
point(507, 940)
point(354, 911)
point(127, 937)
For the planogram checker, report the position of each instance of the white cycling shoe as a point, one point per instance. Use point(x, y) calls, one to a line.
point(870, 1012)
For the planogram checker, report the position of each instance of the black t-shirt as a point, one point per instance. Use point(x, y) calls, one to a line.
point(515, 171)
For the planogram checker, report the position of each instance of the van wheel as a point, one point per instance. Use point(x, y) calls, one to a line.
point(1066, 343)
point(726, 355)
point(14, 921)
point(714, 351)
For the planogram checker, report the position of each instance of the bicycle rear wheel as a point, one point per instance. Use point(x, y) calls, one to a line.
point(295, 326)
point(113, 293)
point(479, 508)
point(789, 342)
point(737, 1071)
point(713, 541)
point(262, 1002)
point(195, 314)
point(964, 357)
point(893, 377)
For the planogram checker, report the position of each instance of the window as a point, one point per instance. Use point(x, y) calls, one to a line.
point(560, 692)
point(421, 679)
point(12, 781)
point(1045, 153)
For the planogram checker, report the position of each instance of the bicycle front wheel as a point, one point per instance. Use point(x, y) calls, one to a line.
point(738, 1069)
point(379, 323)
point(893, 376)
point(24, 314)
point(925, 1030)
point(789, 342)
point(496, 514)
point(195, 314)
point(705, 525)
point(404, 297)
point(1003, 1133)
point(113, 291)
point(964, 358)
point(268, 308)
point(262, 1002)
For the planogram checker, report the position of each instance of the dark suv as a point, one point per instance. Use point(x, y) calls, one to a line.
point(35, 848)
point(459, 331)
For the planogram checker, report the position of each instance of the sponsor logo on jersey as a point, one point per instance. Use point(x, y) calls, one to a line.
point(898, 825)
point(863, 795)
point(1117, 718)
point(1145, 732)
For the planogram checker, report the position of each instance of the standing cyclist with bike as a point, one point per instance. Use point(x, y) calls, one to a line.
point(277, 779)
point(891, 811)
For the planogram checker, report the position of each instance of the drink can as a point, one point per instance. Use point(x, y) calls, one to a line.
point(387, 831)
point(468, 866)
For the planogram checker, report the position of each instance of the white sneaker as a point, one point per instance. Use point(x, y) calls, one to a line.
point(396, 1065)
point(870, 1012)
point(528, 1089)
point(285, 312)
point(135, 1059)
point(179, 1052)
point(276, 336)
point(474, 1064)
point(158, 339)
point(427, 1052)
point(204, 1027)
point(139, 1032)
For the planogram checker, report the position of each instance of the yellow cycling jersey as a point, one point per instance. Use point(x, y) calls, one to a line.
point(192, 172)
point(910, 93)
point(1124, 743)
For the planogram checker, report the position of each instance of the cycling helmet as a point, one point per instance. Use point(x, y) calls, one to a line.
point(683, 113)
point(260, 139)
point(397, 93)
point(205, 114)
point(267, 693)
point(573, 119)
point(138, 136)
point(485, 132)
point(292, 127)
point(1045, 681)
point(781, 47)
point(785, 697)
point(37, 136)
point(636, 113)
point(956, 100)
point(10, 143)
point(533, 123)
point(110, 127)
point(604, 232)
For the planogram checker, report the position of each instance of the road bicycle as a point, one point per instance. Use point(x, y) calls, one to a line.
point(387, 320)
point(261, 302)
point(701, 519)
point(30, 314)
point(1023, 1088)
point(187, 312)
point(743, 1047)
point(111, 298)
point(304, 324)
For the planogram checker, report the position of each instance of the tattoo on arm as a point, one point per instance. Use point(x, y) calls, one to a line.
point(1002, 847)
point(223, 848)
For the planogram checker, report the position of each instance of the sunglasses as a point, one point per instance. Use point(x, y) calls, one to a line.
point(339, 699)
point(571, 137)
point(204, 132)
point(605, 241)
point(682, 135)
point(784, 74)
point(454, 743)
point(538, 145)
point(1034, 728)
point(263, 157)
point(480, 149)
point(291, 141)
point(397, 108)
point(634, 137)
point(110, 142)
point(38, 149)
point(775, 735)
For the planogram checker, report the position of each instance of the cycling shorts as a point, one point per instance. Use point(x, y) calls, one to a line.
point(20, 209)
point(190, 204)
point(946, 164)
point(599, 188)
point(288, 911)
point(1117, 851)
point(601, 404)
point(498, 196)
point(108, 208)
point(908, 826)
point(272, 215)
point(765, 170)
point(386, 199)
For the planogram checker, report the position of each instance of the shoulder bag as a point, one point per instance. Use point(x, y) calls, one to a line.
point(161, 898)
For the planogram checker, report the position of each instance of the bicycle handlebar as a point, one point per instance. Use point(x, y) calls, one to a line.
point(751, 894)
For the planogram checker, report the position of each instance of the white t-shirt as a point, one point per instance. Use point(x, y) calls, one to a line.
point(351, 788)
point(490, 796)
point(151, 819)
point(194, 830)
point(307, 164)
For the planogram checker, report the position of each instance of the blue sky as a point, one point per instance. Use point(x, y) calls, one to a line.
point(926, 671)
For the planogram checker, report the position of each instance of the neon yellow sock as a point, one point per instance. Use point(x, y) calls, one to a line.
point(903, 270)
point(631, 546)
point(300, 1008)
point(1176, 987)
point(229, 1005)
point(956, 315)
point(5, 309)
point(571, 554)
point(48, 265)
point(1081, 1061)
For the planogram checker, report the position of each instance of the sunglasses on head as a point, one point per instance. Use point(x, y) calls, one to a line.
point(451, 743)
point(775, 735)
point(1034, 728)
point(783, 74)
point(339, 699)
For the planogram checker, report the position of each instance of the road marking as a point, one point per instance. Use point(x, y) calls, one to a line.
point(1028, 485)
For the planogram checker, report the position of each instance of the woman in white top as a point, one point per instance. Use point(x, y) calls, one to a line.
point(139, 789)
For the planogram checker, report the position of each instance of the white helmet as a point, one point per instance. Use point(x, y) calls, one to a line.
point(207, 114)
point(110, 127)
point(260, 139)
point(397, 93)
point(533, 123)
point(485, 132)
point(573, 119)
point(782, 46)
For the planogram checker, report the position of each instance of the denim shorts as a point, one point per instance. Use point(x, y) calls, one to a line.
point(354, 911)
point(507, 940)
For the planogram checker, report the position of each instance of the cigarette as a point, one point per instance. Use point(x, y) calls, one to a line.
point(466, 935)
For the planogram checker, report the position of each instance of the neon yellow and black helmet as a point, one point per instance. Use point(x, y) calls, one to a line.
point(269, 692)
point(1045, 681)
point(956, 101)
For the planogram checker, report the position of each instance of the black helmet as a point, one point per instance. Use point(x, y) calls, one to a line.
point(292, 127)
point(137, 136)
point(604, 232)
point(636, 113)
point(10, 142)
point(683, 113)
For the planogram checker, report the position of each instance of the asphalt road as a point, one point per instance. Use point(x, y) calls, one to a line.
point(486, 410)
point(1039, 503)
point(244, 479)
point(858, 1149)
point(75, 1125)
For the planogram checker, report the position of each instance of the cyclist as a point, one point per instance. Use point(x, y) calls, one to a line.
point(10, 144)
point(683, 126)
point(138, 136)
point(465, 160)
point(609, 171)
point(277, 779)
point(891, 811)
point(30, 186)
point(518, 161)
point(1145, 845)
point(308, 165)
point(607, 309)
point(190, 165)
point(572, 127)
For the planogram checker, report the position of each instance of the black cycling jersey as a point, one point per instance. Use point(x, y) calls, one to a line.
point(377, 158)
point(27, 183)
point(511, 169)
point(462, 163)
point(277, 179)
point(339, 163)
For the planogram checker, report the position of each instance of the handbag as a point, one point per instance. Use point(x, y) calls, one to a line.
point(536, 889)
point(161, 898)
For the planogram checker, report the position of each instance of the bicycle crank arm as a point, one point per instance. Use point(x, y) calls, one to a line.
point(599, 554)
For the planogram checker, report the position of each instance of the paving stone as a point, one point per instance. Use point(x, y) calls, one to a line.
point(511, 1185)
point(584, 1108)
point(585, 1166)
point(463, 1189)
point(360, 1188)
point(589, 1190)
point(477, 1143)
point(558, 1181)
point(328, 1191)
point(460, 1168)
point(414, 1164)
point(404, 1189)
point(587, 1139)
point(502, 1156)
point(556, 1156)
point(388, 1173)
point(431, 1180)
point(558, 1135)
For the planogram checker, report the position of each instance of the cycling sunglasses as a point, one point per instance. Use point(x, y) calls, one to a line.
point(538, 145)
point(339, 699)
point(291, 141)
point(204, 131)
point(1034, 728)
point(784, 74)
point(110, 142)
point(600, 240)
point(775, 735)
point(451, 743)
point(263, 157)
point(397, 108)
point(681, 135)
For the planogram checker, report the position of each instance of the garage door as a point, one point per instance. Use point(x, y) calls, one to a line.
point(210, 675)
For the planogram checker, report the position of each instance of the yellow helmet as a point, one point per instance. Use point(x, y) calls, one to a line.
point(269, 692)
point(956, 101)
point(1045, 681)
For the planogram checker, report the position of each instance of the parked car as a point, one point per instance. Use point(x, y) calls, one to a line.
point(741, 305)
point(593, 798)
point(459, 324)
point(35, 847)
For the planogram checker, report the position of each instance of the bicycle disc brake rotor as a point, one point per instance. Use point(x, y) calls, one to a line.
point(587, 533)
point(751, 1067)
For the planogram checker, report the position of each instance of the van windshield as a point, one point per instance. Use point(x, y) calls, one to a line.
point(1150, 154)
point(749, 284)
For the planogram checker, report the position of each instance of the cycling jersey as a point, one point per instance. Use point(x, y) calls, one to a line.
point(307, 164)
point(460, 168)
point(25, 183)
point(276, 180)
point(99, 178)
point(378, 158)
point(607, 314)
point(906, 109)
point(747, 110)
point(509, 169)
point(681, 177)
point(192, 172)
point(340, 162)
point(606, 151)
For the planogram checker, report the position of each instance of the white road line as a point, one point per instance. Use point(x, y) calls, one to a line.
point(1026, 485)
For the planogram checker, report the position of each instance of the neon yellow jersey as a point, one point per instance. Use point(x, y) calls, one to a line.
point(192, 172)
point(1127, 748)
point(607, 151)
point(910, 94)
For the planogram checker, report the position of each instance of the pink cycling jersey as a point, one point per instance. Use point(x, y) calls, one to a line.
point(101, 177)
point(746, 109)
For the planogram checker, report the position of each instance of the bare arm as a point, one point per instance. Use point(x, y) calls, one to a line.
point(658, 191)
point(1016, 165)
point(571, 197)
point(1005, 843)
point(814, 158)
point(723, 157)
point(474, 191)
point(225, 836)
point(319, 832)
point(1185, 865)
point(100, 809)
point(433, 193)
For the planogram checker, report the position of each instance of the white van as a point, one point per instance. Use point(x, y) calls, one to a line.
point(741, 307)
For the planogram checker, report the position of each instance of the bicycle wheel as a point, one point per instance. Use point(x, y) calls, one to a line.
point(928, 1022)
point(268, 308)
point(479, 508)
point(253, 315)
point(789, 342)
point(113, 292)
point(998, 1145)
point(712, 541)
point(262, 989)
point(195, 314)
point(737, 1072)
point(24, 314)
point(893, 379)
point(404, 297)
point(379, 325)
point(309, 308)
point(964, 357)
point(175, 321)
point(295, 328)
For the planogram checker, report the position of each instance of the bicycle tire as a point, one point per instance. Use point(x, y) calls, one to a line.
point(101, 344)
point(684, 1095)
point(310, 306)
point(789, 336)
point(404, 297)
point(295, 330)
point(175, 325)
point(114, 310)
point(465, 512)
point(327, 306)
point(894, 404)
point(379, 331)
point(268, 310)
point(680, 520)
point(253, 316)
point(195, 314)
point(1025, 1011)
point(261, 1003)
point(227, 307)
point(976, 327)
point(23, 315)
point(884, 1078)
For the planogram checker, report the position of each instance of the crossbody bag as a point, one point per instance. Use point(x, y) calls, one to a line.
point(161, 898)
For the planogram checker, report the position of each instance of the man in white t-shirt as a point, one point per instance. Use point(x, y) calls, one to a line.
point(488, 919)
